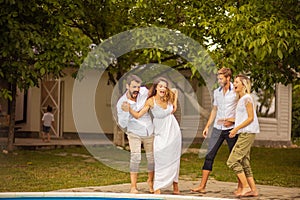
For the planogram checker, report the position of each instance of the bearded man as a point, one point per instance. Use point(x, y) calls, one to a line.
point(138, 130)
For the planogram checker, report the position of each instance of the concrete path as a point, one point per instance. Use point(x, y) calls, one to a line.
point(215, 189)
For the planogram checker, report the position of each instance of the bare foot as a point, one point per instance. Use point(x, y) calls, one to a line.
point(199, 189)
point(134, 191)
point(175, 188)
point(150, 184)
point(176, 192)
point(243, 192)
point(157, 192)
point(237, 191)
point(251, 194)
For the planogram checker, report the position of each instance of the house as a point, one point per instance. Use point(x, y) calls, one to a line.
point(59, 94)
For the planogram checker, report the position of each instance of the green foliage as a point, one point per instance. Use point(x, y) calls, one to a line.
point(41, 38)
point(44, 37)
point(260, 38)
point(296, 112)
point(255, 37)
point(5, 94)
point(35, 42)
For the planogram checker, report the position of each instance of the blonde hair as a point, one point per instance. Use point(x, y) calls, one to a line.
point(246, 82)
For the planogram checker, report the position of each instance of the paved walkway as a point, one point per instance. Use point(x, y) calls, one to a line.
point(215, 189)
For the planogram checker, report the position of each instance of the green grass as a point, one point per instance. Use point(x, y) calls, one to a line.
point(48, 170)
point(271, 166)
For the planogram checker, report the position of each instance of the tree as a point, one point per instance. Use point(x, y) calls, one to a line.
point(35, 43)
point(254, 36)
point(259, 38)
point(250, 36)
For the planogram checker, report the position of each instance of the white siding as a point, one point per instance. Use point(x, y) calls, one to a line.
point(276, 129)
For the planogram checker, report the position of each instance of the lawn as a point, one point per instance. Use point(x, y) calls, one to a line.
point(48, 170)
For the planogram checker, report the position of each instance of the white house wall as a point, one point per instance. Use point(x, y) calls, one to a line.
point(272, 129)
point(102, 105)
point(33, 117)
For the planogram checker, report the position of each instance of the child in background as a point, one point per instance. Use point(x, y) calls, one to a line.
point(47, 120)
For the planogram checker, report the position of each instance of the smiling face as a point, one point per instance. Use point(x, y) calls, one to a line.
point(133, 90)
point(222, 80)
point(161, 88)
point(238, 85)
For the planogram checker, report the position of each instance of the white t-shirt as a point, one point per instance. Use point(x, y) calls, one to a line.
point(142, 126)
point(242, 115)
point(47, 119)
point(226, 104)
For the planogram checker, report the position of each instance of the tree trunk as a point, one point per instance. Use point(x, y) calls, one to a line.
point(119, 136)
point(11, 130)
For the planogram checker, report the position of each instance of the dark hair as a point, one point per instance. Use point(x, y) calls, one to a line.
point(225, 71)
point(169, 97)
point(133, 77)
point(49, 108)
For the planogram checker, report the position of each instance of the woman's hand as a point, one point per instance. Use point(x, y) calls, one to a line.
point(125, 106)
point(175, 91)
point(232, 133)
point(174, 108)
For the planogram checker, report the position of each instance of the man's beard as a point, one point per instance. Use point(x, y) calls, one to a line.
point(134, 94)
point(223, 84)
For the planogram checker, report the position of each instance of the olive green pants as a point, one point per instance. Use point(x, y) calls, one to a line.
point(239, 158)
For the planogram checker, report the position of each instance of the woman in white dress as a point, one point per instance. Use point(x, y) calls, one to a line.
point(162, 102)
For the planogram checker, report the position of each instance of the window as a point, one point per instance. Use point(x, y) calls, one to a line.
point(265, 102)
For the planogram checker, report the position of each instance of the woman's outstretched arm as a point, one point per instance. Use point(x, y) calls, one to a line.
point(145, 109)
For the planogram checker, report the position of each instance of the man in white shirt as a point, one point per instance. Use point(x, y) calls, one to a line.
point(138, 130)
point(223, 116)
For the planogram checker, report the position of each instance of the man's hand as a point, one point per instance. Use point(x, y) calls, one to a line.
point(125, 106)
point(205, 131)
point(228, 123)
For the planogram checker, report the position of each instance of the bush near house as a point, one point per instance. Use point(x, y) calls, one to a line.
point(296, 113)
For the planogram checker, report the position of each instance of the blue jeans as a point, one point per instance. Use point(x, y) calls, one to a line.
point(215, 142)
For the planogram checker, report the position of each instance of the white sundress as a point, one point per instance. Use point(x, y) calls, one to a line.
point(167, 146)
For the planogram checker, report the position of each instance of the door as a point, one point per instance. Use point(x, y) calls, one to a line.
point(51, 95)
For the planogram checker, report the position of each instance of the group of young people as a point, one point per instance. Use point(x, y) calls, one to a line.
point(233, 117)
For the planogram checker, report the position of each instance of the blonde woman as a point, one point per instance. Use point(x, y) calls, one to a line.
point(247, 126)
point(167, 135)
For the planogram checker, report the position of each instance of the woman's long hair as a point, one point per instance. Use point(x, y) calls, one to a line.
point(246, 82)
point(169, 97)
